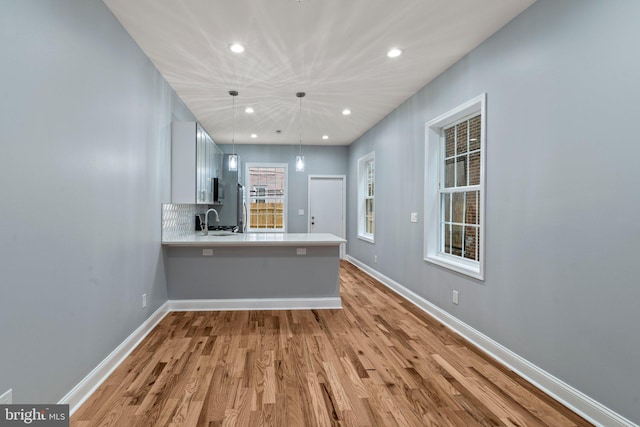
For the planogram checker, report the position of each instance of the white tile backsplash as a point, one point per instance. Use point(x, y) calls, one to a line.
point(178, 220)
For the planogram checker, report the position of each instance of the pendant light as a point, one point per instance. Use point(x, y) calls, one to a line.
point(300, 157)
point(233, 157)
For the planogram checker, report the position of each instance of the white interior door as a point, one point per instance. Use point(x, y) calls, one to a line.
point(327, 210)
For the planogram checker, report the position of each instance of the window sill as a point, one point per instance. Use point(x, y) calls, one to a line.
point(367, 238)
point(471, 269)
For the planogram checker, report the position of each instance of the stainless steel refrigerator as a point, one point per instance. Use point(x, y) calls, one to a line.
point(233, 211)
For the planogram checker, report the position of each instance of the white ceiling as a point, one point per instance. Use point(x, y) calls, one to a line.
point(334, 50)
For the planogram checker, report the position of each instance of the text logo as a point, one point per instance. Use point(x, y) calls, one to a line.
point(34, 415)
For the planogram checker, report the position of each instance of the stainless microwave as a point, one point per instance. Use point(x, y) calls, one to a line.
point(217, 190)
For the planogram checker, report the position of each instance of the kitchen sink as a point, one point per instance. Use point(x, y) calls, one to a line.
point(221, 233)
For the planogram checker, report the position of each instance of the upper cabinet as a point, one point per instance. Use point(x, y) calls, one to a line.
point(195, 161)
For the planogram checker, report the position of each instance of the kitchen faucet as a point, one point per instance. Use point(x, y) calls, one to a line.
point(205, 232)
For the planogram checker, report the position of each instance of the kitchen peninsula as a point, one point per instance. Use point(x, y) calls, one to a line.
point(228, 271)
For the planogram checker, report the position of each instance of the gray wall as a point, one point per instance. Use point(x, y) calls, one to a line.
point(274, 272)
point(84, 159)
point(562, 194)
point(319, 160)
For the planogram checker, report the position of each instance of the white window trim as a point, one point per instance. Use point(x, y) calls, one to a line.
point(432, 175)
point(362, 191)
point(248, 166)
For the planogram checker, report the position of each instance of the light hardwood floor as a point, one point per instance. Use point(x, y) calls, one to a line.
point(378, 362)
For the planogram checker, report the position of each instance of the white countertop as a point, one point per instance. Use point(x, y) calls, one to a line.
point(216, 238)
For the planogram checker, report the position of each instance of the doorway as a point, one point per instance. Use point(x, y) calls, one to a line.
point(327, 206)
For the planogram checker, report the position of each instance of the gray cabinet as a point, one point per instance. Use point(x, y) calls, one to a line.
point(195, 161)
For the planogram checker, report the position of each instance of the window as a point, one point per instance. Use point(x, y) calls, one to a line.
point(260, 193)
point(454, 189)
point(366, 197)
point(267, 194)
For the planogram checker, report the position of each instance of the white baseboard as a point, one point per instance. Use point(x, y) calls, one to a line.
point(559, 390)
point(255, 304)
point(81, 392)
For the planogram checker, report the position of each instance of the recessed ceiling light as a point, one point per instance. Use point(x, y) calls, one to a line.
point(394, 53)
point(325, 136)
point(248, 110)
point(253, 135)
point(236, 48)
point(346, 111)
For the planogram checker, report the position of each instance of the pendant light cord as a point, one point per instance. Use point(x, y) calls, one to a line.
point(233, 94)
point(300, 128)
point(233, 125)
point(300, 95)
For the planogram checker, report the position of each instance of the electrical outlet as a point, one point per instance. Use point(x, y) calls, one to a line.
point(207, 252)
point(301, 212)
point(7, 397)
point(455, 297)
point(414, 216)
point(375, 259)
point(144, 300)
point(301, 251)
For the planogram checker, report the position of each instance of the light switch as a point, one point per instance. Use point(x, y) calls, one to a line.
point(301, 212)
point(414, 216)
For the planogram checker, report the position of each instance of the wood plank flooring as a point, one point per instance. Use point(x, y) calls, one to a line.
point(378, 362)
